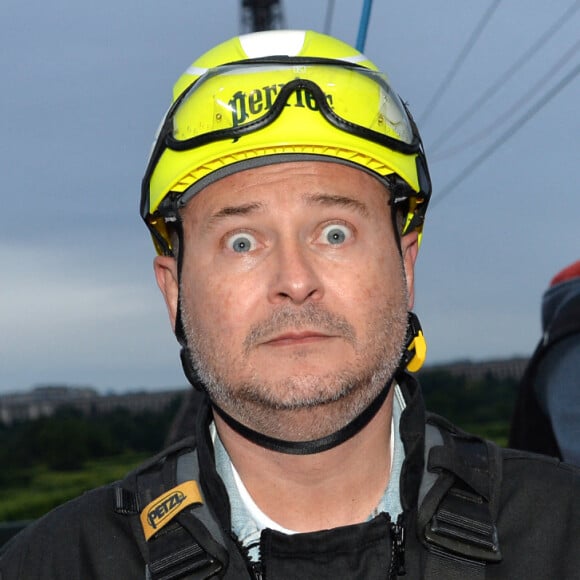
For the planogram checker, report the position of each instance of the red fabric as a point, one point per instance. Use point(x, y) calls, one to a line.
point(569, 272)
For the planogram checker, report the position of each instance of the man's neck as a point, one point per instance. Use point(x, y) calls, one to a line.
point(337, 487)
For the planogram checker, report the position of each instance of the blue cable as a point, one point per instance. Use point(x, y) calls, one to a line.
point(364, 25)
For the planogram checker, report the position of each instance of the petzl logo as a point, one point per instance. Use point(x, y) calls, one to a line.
point(164, 508)
point(247, 106)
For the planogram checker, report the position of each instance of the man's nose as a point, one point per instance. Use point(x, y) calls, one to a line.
point(295, 274)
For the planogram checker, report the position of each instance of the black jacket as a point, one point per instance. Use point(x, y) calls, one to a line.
point(485, 513)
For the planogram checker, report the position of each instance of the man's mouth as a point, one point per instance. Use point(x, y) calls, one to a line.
point(297, 338)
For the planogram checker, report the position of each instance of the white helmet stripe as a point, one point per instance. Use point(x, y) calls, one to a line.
point(287, 42)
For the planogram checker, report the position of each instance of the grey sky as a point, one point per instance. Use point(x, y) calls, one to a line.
point(85, 84)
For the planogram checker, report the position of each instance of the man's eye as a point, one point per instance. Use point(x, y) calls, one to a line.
point(335, 234)
point(242, 242)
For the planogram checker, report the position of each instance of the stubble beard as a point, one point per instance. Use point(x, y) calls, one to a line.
point(302, 407)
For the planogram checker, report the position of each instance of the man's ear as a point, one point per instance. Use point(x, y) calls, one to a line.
point(166, 275)
point(409, 251)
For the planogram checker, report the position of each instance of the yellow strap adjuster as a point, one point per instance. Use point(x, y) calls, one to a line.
point(164, 508)
point(419, 349)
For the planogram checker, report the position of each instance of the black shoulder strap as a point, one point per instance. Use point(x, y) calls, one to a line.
point(459, 499)
point(183, 539)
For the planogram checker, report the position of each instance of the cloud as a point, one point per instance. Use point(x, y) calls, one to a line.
point(67, 317)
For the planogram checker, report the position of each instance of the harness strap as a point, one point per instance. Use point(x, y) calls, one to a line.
point(458, 502)
point(180, 545)
point(441, 564)
point(173, 553)
point(457, 514)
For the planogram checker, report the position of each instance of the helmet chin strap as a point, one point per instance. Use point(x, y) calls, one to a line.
point(314, 445)
point(291, 447)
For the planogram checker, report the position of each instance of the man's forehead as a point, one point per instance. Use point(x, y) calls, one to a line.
point(308, 199)
point(312, 183)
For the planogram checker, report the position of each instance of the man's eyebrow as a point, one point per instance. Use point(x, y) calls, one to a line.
point(332, 199)
point(235, 210)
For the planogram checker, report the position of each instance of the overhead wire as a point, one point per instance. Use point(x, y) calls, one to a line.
point(522, 101)
point(471, 42)
point(329, 15)
point(508, 133)
point(503, 78)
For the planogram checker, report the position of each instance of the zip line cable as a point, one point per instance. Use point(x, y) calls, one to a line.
point(364, 25)
point(500, 82)
point(329, 15)
point(497, 122)
point(509, 132)
point(458, 62)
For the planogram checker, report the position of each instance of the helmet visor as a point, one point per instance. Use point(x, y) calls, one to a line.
point(232, 100)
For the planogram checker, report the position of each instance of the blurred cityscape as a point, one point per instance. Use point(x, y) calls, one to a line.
point(45, 400)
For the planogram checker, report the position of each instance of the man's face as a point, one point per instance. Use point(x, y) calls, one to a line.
point(294, 294)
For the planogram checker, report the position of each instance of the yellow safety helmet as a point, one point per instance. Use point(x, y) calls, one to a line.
point(276, 96)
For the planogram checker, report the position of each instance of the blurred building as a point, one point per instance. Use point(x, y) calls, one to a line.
point(511, 368)
point(43, 401)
